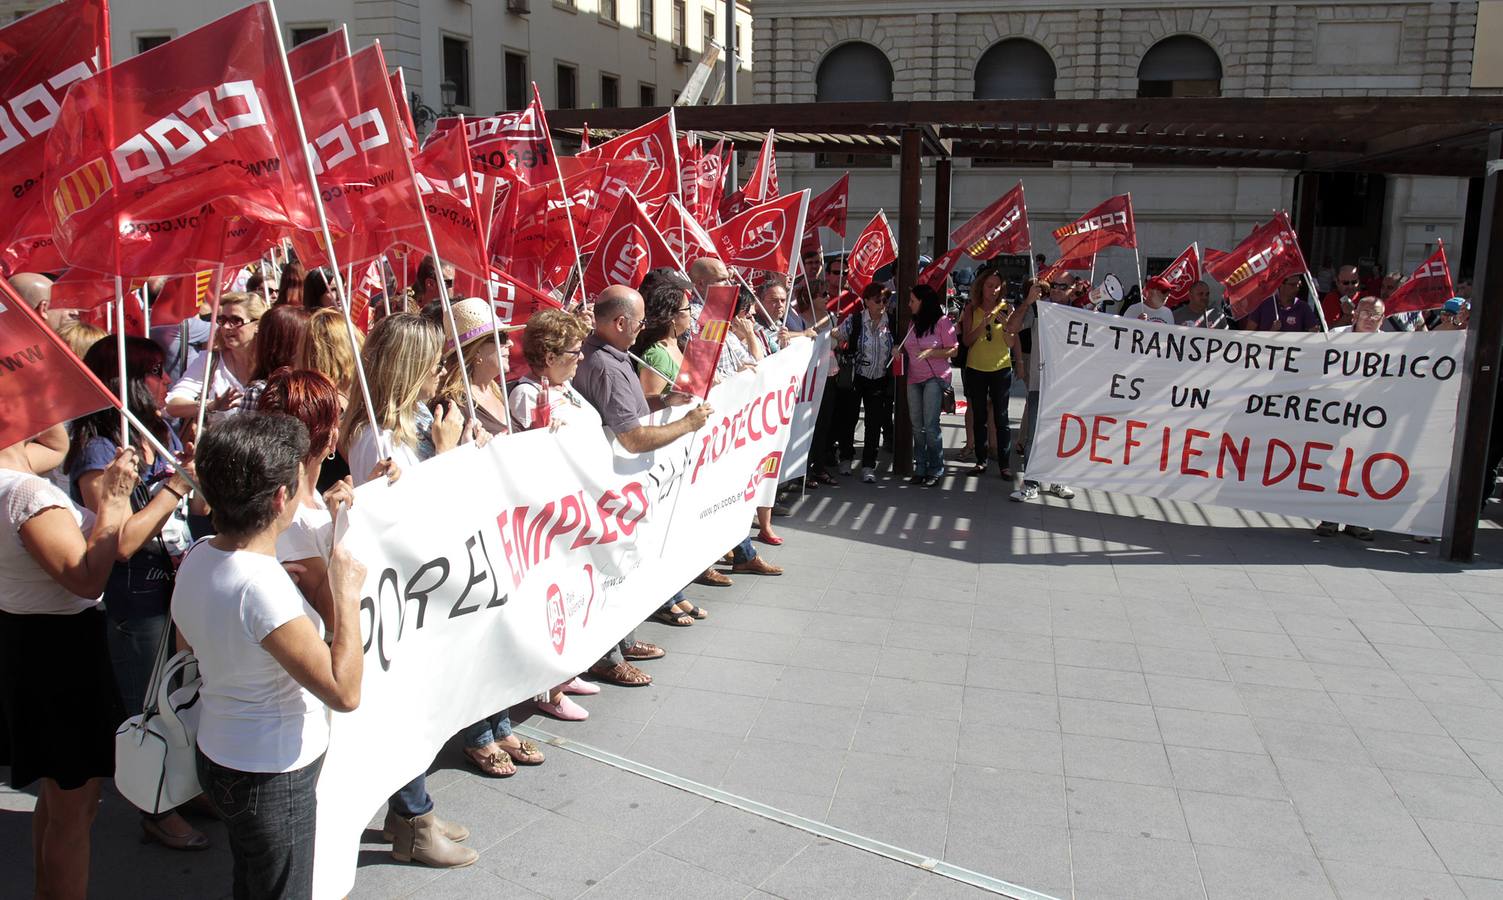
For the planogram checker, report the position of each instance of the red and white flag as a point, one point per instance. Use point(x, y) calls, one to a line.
point(1061, 267)
point(762, 186)
point(184, 296)
point(655, 143)
point(1000, 228)
point(697, 372)
point(373, 282)
point(398, 83)
point(519, 140)
point(1253, 269)
point(40, 56)
point(1182, 274)
point(310, 56)
point(516, 302)
point(875, 247)
point(44, 383)
point(935, 273)
point(630, 246)
point(195, 162)
point(766, 237)
point(446, 182)
point(1108, 225)
point(688, 240)
point(828, 210)
point(1428, 287)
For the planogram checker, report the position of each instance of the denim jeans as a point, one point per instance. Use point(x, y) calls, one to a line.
point(987, 392)
point(610, 657)
point(743, 552)
point(491, 728)
point(133, 647)
point(270, 817)
point(924, 399)
point(1031, 411)
point(412, 799)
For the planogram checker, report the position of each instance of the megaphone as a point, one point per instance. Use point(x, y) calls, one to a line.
point(1110, 288)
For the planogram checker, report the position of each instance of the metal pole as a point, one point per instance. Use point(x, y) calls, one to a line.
point(120, 351)
point(203, 389)
point(909, 190)
point(1479, 386)
point(731, 52)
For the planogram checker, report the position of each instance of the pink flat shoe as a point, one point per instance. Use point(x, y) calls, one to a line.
point(564, 709)
point(580, 686)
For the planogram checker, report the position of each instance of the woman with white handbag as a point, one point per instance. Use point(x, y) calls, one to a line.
point(58, 702)
point(268, 678)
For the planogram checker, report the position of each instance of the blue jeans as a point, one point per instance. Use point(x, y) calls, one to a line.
point(1031, 412)
point(491, 728)
point(133, 651)
point(412, 800)
point(743, 552)
point(270, 817)
point(924, 399)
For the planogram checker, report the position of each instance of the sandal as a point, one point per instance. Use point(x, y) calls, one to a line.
point(526, 753)
point(622, 674)
point(978, 469)
point(643, 650)
point(152, 830)
point(826, 478)
point(694, 611)
point(669, 617)
point(492, 765)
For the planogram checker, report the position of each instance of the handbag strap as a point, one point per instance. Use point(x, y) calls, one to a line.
point(158, 669)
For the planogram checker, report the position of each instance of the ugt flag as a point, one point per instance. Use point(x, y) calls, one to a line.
point(875, 247)
point(766, 236)
point(829, 208)
point(1000, 228)
point(1108, 225)
point(630, 247)
point(1429, 286)
point(1182, 274)
point(195, 162)
point(1251, 271)
point(657, 144)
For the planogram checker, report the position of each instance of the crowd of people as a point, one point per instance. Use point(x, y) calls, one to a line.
point(112, 552)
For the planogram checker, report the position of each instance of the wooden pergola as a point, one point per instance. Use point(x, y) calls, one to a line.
point(1451, 136)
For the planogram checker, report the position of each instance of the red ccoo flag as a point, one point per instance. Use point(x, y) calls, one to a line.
point(517, 302)
point(1253, 269)
point(1427, 287)
point(762, 186)
point(40, 56)
point(1108, 225)
point(766, 236)
point(398, 83)
point(657, 144)
point(936, 272)
point(41, 382)
point(697, 372)
point(195, 162)
point(310, 56)
point(1000, 228)
point(628, 249)
point(875, 247)
point(829, 208)
point(518, 140)
point(446, 181)
point(1182, 274)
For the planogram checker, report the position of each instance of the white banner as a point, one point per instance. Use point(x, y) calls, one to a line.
point(1352, 428)
point(498, 573)
point(810, 396)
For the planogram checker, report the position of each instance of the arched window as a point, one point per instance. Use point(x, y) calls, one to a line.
point(854, 71)
point(1180, 66)
point(1015, 69)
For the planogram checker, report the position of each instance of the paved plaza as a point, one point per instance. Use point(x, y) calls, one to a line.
point(1110, 698)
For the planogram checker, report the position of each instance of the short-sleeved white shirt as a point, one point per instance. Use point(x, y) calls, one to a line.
point(565, 405)
point(28, 589)
point(256, 717)
point(188, 387)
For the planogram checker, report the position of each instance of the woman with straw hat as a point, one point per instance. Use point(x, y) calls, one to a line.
point(476, 325)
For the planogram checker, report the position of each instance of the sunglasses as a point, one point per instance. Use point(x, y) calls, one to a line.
point(154, 371)
point(233, 322)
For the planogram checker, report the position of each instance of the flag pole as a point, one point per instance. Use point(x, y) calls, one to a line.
point(558, 173)
point(501, 357)
point(120, 352)
point(265, 288)
point(323, 227)
point(162, 452)
point(386, 287)
point(1033, 265)
point(1136, 259)
point(203, 389)
point(794, 258)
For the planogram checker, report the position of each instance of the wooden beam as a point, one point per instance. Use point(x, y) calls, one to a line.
point(942, 206)
point(1154, 139)
point(909, 197)
point(1470, 479)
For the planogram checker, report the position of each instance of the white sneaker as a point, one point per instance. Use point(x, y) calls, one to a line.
point(845, 467)
point(1062, 491)
point(1025, 493)
point(869, 475)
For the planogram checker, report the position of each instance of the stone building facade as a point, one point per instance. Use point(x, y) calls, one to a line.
point(959, 49)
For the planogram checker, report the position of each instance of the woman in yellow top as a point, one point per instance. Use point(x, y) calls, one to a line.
point(987, 377)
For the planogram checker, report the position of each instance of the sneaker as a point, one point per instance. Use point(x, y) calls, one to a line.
point(845, 467)
point(869, 475)
point(931, 481)
point(1062, 491)
point(1025, 493)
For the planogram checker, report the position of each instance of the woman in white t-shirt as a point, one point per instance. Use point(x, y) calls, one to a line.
point(58, 703)
point(234, 361)
point(268, 676)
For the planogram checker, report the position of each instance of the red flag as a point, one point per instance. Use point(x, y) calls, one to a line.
point(518, 140)
point(398, 83)
point(516, 303)
point(82, 289)
point(584, 138)
point(657, 144)
point(843, 305)
point(363, 172)
point(42, 383)
point(446, 181)
point(1211, 255)
point(829, 208)
point(1428, 287)
point(936, 272)
point(1109, 224)
point(766, 236)
point(1182, 274)
point(762, 186)
point(310, 56)
point(1062, 266)
point(697, 372)
point(372, 282)
point(195, 162)
point(875, 247)
point(629, 247)
point(685, 237)
point(1000, 228)
point(1254, 268)
point(183, 296)
point(40, 56)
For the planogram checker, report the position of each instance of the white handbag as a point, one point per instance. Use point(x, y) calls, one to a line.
point(155, 764)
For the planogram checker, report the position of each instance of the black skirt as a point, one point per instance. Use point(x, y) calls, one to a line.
point(59, 706)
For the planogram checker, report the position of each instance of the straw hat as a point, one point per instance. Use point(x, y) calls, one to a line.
point(474, 320)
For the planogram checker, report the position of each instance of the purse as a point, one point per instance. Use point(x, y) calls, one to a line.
point(155, 764)
point(947, 400)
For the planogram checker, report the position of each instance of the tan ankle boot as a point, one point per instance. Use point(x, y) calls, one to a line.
point(421, 840)
point(451, 830)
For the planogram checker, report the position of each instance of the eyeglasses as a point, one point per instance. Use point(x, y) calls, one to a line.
point(684, 309)
point(577, 351)
point(233, 321)
point(154, 371)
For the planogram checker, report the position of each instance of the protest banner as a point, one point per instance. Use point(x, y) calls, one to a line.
point(565, 543)
point(1351, 428)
